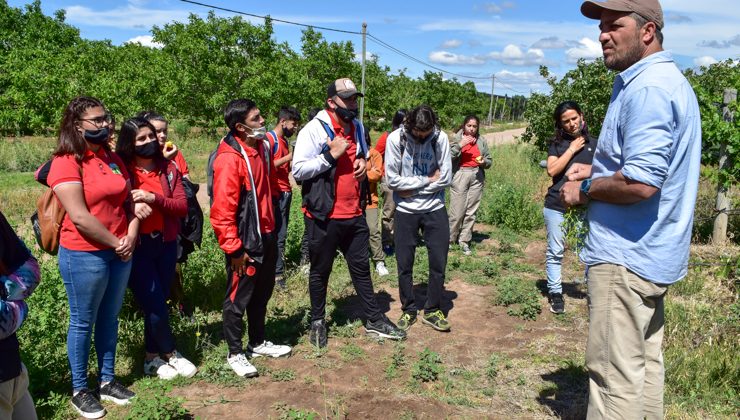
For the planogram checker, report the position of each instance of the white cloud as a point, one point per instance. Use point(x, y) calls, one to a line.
point(494, 8)
point(448, 58)
point(704, 61)
point(587, 49)
point(130, 16)
point(549, 43)
point(369, 56)
point(732, 42)
point(450, 44)
point(514, 56)
point(144, 40)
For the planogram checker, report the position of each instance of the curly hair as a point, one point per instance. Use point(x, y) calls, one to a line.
point(71, 141)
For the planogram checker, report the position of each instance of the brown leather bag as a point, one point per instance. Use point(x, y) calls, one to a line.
point(48, 217)
point(47, 221)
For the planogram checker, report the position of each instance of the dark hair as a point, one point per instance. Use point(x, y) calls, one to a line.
point(312, 113)
point(289, 113)
point(398, 119)
point(421, 118)
point(152, 116)
point(236, 112)
point(465, 122)
point(126, 143)
point(641, 21)
point(559, 111)
point(71, 141)
point(367, 139)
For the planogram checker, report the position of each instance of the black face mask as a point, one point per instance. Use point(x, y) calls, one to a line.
point(287, 132)
point(345, 114)
point(147, 151)
point(99, 136)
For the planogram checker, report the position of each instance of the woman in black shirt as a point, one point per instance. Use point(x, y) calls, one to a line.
point(571, 144)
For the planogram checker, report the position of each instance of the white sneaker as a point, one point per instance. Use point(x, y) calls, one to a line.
point(159, 367)
point(268, 349)
point(465, 248)
point(182, 365)
point(381, 269)
point(241, 366)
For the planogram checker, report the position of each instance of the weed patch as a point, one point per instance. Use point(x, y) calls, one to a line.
point(520, 296)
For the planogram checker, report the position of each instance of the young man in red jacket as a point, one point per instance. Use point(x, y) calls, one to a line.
point(244, 221)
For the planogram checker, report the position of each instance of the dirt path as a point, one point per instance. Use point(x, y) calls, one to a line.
point(504, 137)
point(336, 385)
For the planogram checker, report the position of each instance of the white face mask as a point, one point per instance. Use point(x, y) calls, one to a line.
point(258, 133)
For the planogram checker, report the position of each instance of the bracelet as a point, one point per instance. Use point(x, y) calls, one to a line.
point(571, 151)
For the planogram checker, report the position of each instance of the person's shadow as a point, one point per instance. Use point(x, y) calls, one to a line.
point(350, 307)
point(568, 395)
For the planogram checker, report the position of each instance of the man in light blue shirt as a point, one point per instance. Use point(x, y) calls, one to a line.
point(641, 192)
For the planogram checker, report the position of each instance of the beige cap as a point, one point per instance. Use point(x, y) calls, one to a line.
point(344, 88)
point(649, 9)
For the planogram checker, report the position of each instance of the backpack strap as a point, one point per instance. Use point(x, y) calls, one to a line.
point(275, 141)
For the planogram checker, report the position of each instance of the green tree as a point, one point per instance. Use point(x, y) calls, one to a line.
point(589, 84)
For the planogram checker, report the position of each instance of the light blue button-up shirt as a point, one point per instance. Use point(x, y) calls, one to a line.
point(652, 132)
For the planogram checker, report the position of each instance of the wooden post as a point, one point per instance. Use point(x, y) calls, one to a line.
point(719, 233)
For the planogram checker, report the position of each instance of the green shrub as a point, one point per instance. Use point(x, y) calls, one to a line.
point(521, 294)
point(429, 366)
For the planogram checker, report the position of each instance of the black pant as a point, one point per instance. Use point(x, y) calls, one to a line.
point(282, 214)
point(436, 229)
point(352, 237)
point(305, 259)
point(250, 293)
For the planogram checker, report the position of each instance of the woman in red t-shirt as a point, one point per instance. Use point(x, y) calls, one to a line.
point(160, 203)
point(470, 157)
point(96, 243)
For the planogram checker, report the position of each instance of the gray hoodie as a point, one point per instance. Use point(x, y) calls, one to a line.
point(411, 171)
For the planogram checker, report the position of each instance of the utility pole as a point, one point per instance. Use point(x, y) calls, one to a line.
point(722, 205)
point(362, 88)
point(490, 106)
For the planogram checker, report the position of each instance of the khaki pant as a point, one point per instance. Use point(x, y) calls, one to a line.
point(389, 209)
point(623, 353)
point(376, 247)
point(465, 196)
point(15, 400)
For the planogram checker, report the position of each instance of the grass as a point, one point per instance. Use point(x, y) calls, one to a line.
point(702, 318)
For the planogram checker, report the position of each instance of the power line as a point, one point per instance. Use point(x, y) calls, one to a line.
point(271, 18)
point(369, 35)
point(412, 58)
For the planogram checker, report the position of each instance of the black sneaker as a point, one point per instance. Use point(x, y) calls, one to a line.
point(280, 282)
point(384, 328)
point(115, 392)
point(388, 250)
point(317, 335)
point(557, 304)
point(436, 320)
point(87, 405)
point(406, 320)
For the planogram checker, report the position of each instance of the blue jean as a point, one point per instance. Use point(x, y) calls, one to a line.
point(282, 216)
point(555, 249)
point(151, 276)
point(95, 282)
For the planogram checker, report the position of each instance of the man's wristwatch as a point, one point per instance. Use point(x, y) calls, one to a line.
point(586, 186)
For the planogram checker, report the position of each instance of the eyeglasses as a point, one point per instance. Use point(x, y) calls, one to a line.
point(99, 121)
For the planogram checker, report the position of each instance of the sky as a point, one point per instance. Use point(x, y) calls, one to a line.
point(476, 39)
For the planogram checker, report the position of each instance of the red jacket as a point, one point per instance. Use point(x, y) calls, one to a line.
point(236, 218)
point(173, 204)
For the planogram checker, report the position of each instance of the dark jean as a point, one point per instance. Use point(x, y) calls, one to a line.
point(96, 283)
point(352, 237)
point(436, 229)
point(282, 215)
point(151, 276)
